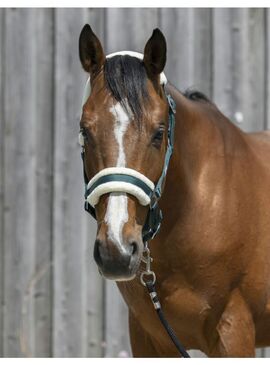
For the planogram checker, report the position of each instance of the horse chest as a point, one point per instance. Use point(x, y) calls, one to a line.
point(185, 310)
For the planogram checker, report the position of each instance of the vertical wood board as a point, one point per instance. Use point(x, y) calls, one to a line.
point(189, 40)
point(129, 29)
point(40, 284)
point(69, 256)
point(2, 14)
point(248, 87)
point(222, 61)
point(19, 184)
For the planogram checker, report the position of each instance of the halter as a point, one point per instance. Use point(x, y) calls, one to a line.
point(126, 180)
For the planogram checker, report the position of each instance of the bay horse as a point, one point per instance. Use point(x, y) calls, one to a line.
point(211, 256)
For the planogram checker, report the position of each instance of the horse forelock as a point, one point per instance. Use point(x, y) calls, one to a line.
point(126, 79)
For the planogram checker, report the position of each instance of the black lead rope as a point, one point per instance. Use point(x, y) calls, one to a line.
point(154, 297)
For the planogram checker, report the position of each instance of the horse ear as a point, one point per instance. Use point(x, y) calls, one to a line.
point(155, 53)
point(90, 51)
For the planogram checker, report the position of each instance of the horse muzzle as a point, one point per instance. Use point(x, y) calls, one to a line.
point(119, 246)
point(115, 262)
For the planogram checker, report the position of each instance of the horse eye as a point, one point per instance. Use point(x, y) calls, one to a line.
point(85, 134)
point(158, 136)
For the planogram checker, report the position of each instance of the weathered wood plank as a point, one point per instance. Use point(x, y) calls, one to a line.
point(189, 62)
point(117, 343)
point(97, 19)
point(27, 221)
point(255, 73)
point(248, 86)
point(40, 285)
point(2, 14)
point(133, 27)
point(71, 251)
point(222, 61)
point(259, 352)
point(266, 352)
point(238, 28)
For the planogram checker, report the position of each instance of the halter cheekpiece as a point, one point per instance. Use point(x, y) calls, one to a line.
point(126, 180)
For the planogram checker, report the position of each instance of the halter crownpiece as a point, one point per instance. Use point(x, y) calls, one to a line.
point(126, 180)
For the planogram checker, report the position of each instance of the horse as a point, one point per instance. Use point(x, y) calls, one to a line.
point(211, 256)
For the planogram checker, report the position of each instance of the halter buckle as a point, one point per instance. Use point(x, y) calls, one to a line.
point(171, 103)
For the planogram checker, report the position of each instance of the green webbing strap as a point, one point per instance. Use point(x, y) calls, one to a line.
point(87, 206)
point(154, 218)
point(159, 186)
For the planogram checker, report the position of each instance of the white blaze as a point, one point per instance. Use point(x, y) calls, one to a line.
point(117, 213)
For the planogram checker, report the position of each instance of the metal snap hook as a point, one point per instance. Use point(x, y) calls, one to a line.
point(148, 272)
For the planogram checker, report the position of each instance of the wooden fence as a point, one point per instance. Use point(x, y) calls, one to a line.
point(53, 301)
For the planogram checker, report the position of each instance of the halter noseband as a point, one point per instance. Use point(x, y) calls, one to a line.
point(119, 179)
point(126, 180)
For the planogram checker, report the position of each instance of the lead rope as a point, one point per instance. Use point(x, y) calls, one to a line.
point(150, 285)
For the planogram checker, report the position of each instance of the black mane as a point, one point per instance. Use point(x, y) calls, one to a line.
point(196, 95)
point(125, 77)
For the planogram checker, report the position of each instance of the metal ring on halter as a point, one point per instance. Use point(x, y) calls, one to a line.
point(149, 273)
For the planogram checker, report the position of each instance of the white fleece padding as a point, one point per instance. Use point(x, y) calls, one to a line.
point(163, 78)
point(86, 92)
point(122, 171)
point(117, 187)
point(87, 89)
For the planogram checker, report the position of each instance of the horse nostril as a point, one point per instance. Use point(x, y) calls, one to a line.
point(135, 248)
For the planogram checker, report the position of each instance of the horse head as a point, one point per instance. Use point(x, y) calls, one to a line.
point(124, 125)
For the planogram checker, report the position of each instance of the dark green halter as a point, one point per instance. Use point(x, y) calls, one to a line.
point(154, 217)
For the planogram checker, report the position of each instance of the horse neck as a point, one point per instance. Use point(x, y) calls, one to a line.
point(194, 130)
point(202, 136)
